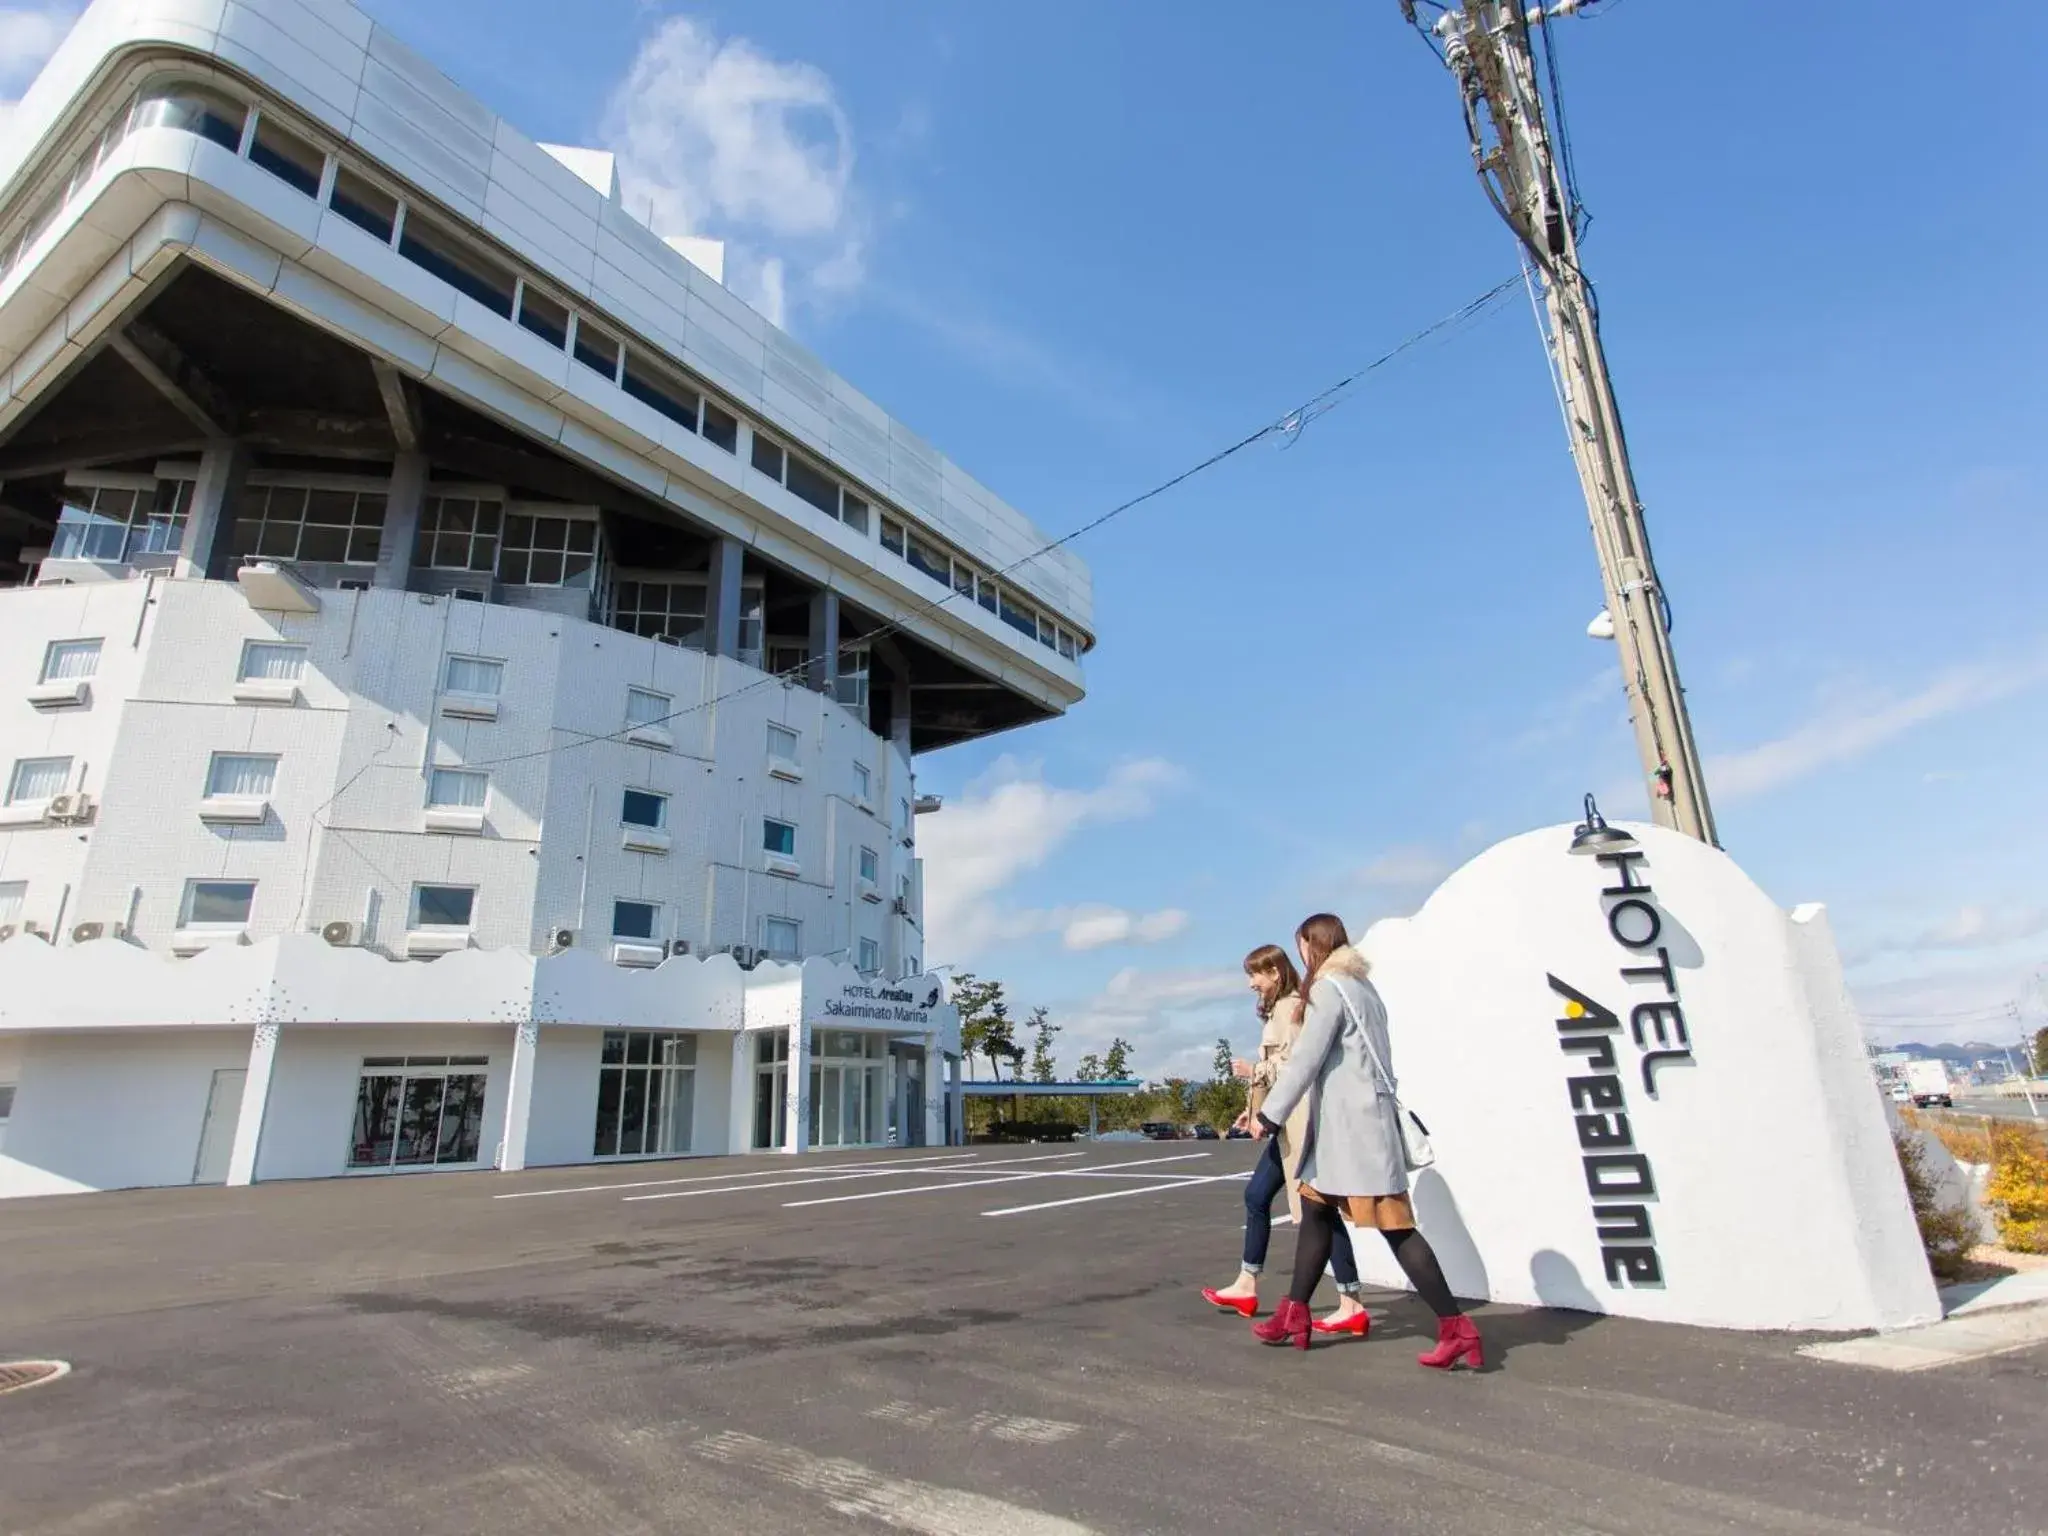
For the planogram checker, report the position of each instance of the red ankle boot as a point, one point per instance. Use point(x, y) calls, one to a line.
point(1457, 1338)
point(1291, 1323)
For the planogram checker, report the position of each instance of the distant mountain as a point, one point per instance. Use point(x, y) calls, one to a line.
point(1955, 1055)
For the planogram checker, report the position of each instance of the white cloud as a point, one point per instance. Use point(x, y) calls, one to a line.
point(1968, 928)
point(1407, 868)
point(29, 34)
point(1008, 824)
point(1845, 733)
point(716, 138)
point(1100, 927)
point(1172, 1019)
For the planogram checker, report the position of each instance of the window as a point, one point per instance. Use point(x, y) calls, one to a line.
point(870, 866)
point(458, 264)
point(776, 837)
point(294, 522)
point(36, 779)
point(783, 742)
point(931, 560)
point(193, 109)
point(646, 1087)
point(892, 536)
point(868, 957)
point(850, 687)
point(12, 894)
point(1018, 617)
point(653, 386)
point(782, 937)
point(217, 903)
point(545, 318)
point(661, 610)
point(634, 919)
point(115, 525)
point(241, 776)
point(458, 533)
point(287, 156)
point(853, 511)
point(768, 457)
point(643, 808)
point(70, 661)
point(443, 906)
point(597, 351)
point(911, 966)
point(963, 579)
point(364, 204)
point(721, 427)
point(546, 551)
point(863, 784)
point(1068, 648)
point(809, 483)
point(416, 1110)
point(457, 789)
point(645, 707)
point(265, 661)
point(474, 675)
point(1048, 633)
point(985, 594)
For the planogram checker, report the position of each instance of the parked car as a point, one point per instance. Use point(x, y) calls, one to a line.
point(1160, 1130)
point(1237, 1133)
point(1206, 1133)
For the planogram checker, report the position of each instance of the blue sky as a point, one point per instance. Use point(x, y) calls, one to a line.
point(1082, 246)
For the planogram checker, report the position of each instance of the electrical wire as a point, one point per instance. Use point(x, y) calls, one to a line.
point(1567, 166)
point(1288, 425)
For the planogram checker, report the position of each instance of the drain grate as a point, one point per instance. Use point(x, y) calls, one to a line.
point(15, 1375)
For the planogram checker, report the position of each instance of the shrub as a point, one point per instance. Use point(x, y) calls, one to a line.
point(1948, 1233)
point(1968, 1141)
point(2018, 1192)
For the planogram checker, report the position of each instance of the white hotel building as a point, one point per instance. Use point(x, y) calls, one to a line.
point(407, 556)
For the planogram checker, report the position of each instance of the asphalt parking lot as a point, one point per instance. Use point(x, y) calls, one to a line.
point(1004, 1341)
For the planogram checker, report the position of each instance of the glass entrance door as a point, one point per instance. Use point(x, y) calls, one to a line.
point(418, 1111)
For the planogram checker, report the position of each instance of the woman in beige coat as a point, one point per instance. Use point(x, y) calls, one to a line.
point(1277, 985)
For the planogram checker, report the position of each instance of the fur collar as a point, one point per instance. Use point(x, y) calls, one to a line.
point(1344, 962)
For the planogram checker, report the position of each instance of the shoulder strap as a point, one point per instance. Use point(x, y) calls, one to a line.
point(1379, 1067)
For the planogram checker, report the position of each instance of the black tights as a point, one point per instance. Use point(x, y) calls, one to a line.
point(1319, 1225)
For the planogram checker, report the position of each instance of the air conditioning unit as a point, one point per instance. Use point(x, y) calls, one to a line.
point(342, 935)
point(69, 807)
point(678, 946)
point(561, 939)
point(745, 956)
point(38, 929)
point(899, 906)
point(85, 933)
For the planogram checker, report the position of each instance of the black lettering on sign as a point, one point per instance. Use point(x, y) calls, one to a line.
point(1618, 1173)
point(1624, 866)
point(1599, 1132)
point(1632, 1266)
point(1594, 1092)
point(1623, 1223)
point(1642, 917)
point(1665, 1020)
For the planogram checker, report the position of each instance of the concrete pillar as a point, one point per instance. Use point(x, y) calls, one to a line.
point(402, 504)
point(210, 526)
point(519, 1096)
point(739, 1135)
point(933, 1087)
point(825, 641)
point(723, 596)
point(255, 1103)
point(956, 1106)
point(797, 1090)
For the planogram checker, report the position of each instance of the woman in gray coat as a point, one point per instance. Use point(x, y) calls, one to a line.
point(1351, 1162)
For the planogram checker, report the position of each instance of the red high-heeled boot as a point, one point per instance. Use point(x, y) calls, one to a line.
point(1291, 1323)
point(1457, 1338)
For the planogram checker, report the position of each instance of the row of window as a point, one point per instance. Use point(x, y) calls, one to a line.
point(259, 136)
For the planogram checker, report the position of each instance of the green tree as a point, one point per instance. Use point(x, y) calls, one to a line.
point(1044, 1069)
point(2041, 1053)
point(1090, 1070)
point(1222, 1061)
point(1116, 1063)
point(981, 1008)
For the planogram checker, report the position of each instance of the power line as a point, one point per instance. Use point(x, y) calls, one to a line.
point(1288, 425)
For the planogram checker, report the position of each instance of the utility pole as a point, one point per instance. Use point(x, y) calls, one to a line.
point(1487, 46)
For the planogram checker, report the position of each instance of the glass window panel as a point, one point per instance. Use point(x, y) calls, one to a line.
point(451, 552)
point(985, 594)
point(443, 906)
point(1018, 617)
point(721, 427)
point(863, 781)
point(870, 865)
point(512, 567)
point(606, 1142)
point(12, 894)
point(38, 778)
point(655, 388)
point(634, 920)
point(241, 774)
point(1067, 647)
point(272, 662)
point(364, 204)
point(545, 318)
point(596, 350)
point(457, 789)
point(67, 661)
point(376, 1123)
point(639, 808)
point(419, 1121)
point(639, 1048)
point(335, 509)
point(768, 456)
point(582, 536)
point(809, 483)
point(459, 265)
point(1048, 633)
point(193, 109)
point(963, 578)
point(782, 741)
point(852, 1080)
point(287, 156)
point(645, 708)
point(778, 837)
point(363, 545)
point(322, 544)
point(853, 511)
point(782, 937)
point(545, 569)
point(614, 1049)
point(657, 1086)
point(462, 1119)
point(518, 532)
point(472, 674)
point(632, 1111)
point(870, 960)
point(892, 536)
point(219, 902)
point(931, 560)
point(828, 1091)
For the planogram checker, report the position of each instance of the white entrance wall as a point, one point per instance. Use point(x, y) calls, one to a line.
point(112, 1111)
point(1648, 1094)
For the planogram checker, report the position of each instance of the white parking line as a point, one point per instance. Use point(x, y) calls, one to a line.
point(842, 1178)
point(713, 1178)
point(1048, 1173)
point(1179, 1181)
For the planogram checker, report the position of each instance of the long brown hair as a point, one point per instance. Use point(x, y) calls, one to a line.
point(1272, 960)
point(1320, 937)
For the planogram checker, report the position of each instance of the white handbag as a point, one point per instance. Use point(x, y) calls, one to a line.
point(1416, 1150)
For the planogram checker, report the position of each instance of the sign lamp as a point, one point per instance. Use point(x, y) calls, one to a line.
point(1593, 835)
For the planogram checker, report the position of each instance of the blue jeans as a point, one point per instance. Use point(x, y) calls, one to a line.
point(1260, 1191)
